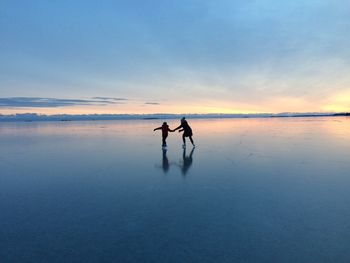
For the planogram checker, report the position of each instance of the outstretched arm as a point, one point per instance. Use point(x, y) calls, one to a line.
point(159, 128)
point(178, 128)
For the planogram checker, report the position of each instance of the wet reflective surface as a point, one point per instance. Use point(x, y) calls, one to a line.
point(253, 190)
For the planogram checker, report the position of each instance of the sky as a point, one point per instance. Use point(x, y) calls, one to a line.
point(184, 56)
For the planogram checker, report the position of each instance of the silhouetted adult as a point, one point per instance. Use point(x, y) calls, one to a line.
point(187, 131)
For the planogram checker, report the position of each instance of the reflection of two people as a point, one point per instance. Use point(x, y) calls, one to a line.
point(184, 165)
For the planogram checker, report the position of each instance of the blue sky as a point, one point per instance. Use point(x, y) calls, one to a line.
point(176, 56)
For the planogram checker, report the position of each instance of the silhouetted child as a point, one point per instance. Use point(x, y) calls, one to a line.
point(165, 129)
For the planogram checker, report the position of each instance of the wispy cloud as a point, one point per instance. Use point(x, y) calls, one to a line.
point(109, 98)
point(35, 102)
point(152, 103)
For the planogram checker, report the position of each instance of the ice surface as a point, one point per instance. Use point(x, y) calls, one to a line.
point(254, 190)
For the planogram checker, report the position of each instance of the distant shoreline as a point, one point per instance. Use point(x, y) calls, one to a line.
point(33, 117)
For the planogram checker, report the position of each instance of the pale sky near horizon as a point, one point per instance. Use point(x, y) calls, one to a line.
point(185, 56)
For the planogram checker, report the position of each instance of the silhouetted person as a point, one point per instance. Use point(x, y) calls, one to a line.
point(187, 161)
point(187, 131)
point(165, 129)
point(165, 164)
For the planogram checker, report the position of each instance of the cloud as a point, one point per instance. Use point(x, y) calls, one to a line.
point(152, 103)
point(109, 98)
point(35, 102)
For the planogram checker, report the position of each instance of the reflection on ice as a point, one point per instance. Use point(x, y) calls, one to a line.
point(165, 161)
point(186, 161)
point(183, 164)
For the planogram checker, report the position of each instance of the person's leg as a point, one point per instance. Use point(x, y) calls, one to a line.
point(191, 140)
point(183, 138)
point(164, 142)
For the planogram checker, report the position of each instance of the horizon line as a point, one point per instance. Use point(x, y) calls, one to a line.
point(29, 117)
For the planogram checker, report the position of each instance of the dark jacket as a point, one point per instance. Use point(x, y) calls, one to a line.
point(165, 129)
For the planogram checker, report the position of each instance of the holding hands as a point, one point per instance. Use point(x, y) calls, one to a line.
point(175, 130)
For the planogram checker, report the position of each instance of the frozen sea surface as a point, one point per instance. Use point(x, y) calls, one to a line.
point(254, 190)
